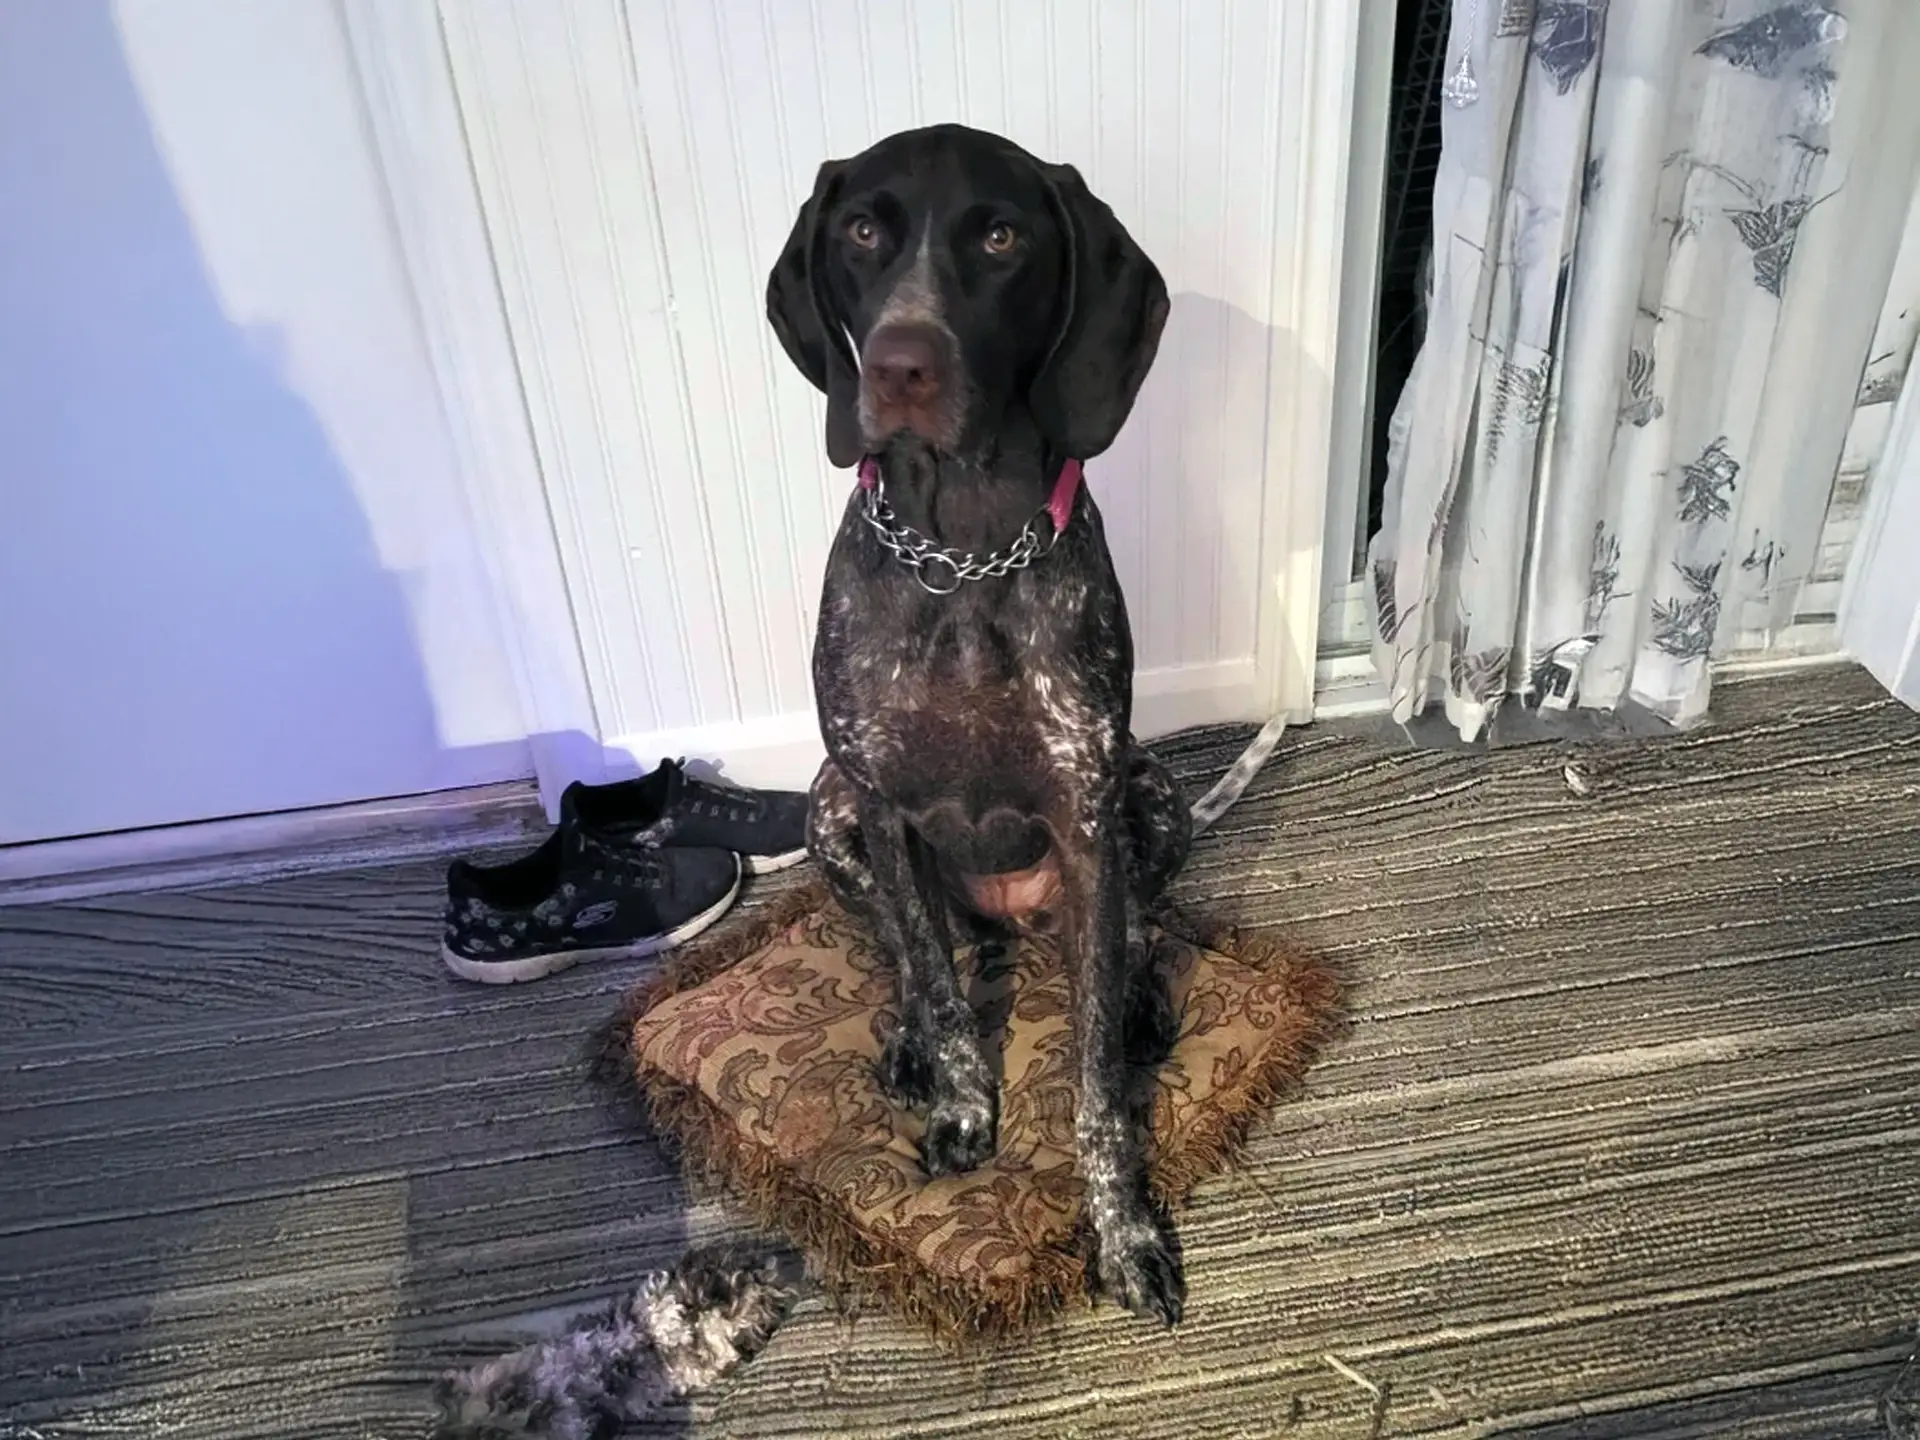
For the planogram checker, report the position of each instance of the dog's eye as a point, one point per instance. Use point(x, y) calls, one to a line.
point(1000, 239)
point(864, 233)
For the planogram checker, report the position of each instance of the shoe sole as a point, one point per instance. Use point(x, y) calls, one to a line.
point(769, 864)
point(538, 967)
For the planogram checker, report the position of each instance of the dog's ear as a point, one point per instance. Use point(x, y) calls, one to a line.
point(1114, 308)
point(812, 341)
point(812, 333)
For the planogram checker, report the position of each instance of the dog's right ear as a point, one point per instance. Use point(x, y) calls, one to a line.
point(1115, 308)
point(811, 331)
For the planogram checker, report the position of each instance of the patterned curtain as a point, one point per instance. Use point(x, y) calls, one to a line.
point(1591, 485)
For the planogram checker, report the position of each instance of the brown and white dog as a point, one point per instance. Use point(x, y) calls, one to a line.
point(980, 324)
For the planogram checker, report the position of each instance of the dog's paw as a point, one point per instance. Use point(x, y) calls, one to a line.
point(906, 1069)
point(962, 1131)
point(1139, 1266)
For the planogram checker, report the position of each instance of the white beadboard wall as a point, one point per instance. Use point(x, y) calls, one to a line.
point(639, 165)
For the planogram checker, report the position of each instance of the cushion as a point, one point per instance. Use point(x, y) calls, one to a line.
point(756, 1055)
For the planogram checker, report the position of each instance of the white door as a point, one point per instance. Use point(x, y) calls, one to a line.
point(638, 164)
point(236, 574)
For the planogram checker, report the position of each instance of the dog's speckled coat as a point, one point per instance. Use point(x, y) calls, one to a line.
point(976, 319)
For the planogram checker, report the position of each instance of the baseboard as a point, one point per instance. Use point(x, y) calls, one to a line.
point(779, 753)
point(264, 847)
point(1804, 645)
point(1348, 686)
point(1171, 698)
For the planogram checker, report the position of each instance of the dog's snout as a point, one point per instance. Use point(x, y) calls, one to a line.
point(906, 364)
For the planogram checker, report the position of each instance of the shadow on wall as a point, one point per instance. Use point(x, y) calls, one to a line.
point(1189, 478)
point(197, 619)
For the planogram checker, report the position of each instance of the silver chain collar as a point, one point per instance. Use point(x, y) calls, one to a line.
point(917, 552)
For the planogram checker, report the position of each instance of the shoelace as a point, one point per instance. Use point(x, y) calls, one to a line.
point(742, 806)
point(631, 866)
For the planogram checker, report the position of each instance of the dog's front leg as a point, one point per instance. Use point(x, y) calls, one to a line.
point(1138, 1262)
point(935, 1058)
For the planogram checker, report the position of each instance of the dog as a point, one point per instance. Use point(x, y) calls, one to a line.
point(980, 324)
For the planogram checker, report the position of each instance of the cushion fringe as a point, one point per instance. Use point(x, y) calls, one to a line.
point(855, 1266)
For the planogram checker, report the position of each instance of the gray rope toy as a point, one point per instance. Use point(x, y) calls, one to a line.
point(676, 1333)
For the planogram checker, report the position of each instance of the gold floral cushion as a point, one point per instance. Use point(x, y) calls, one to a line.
point(758, 1057)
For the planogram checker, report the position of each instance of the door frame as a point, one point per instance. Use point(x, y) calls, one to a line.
point(1880, 597)
point(1346, 60)
point(413, 116)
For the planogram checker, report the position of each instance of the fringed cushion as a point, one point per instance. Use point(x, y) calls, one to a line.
point(756, 1053)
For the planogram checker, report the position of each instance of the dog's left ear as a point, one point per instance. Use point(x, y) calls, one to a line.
point(1115, 308)
point(811, 332)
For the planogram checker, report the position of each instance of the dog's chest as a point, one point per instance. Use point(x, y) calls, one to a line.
point(983, 711)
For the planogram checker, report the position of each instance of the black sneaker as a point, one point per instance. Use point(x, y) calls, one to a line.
point(579, 897)
point(766, 828)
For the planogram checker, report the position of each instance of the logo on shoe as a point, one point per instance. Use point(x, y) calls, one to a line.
point(596, 914)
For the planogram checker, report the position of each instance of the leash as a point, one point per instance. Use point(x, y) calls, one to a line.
point(918, 552)
point(1232, 785)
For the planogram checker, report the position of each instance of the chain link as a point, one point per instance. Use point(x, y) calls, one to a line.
point(917, 551)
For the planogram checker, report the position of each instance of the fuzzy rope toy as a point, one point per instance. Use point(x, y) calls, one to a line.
point(678, 1332)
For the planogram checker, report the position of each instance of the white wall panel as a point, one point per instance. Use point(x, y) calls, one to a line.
point(639, 166)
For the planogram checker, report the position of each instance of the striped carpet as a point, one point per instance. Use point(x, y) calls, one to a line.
point(1622, 1140)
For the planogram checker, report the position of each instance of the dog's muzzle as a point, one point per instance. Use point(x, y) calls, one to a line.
point(906, 375)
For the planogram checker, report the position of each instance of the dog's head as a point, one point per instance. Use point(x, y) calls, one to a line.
point(946, 285)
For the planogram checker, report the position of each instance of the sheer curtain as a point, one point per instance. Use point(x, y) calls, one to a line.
point(1658, 229)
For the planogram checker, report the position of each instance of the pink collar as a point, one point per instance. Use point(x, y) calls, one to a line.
point(1066, 490)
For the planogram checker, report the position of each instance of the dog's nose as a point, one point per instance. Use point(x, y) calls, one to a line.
point(905, 364)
